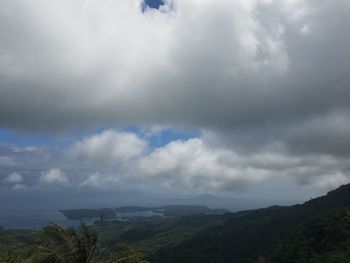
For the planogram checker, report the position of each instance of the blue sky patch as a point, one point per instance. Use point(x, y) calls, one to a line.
point(155, 140)
point(39, 139)
point(163, 137)
point(169, 135)
point(153, 3)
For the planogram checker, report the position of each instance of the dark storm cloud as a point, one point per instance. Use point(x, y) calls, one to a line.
point(325, 135)
point(244, 64)
point(266, 81)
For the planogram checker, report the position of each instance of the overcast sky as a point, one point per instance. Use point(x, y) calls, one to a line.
point(237, 98)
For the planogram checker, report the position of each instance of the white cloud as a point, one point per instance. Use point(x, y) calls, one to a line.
point(14, 178)
point(199, 165)
point(107, 180)
point(123, 160)
point(109, 62)
point(54, 176)
point(109, 146)
point(91, 181)
point(253, 72)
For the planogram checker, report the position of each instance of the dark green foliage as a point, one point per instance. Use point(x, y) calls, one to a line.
point(127, 254)
point(238, 237)
point(150, 234)
point(316, 231)
point(322, 239)
point(66, 245)
point(18, 237)
point(250, 235)
point(11, 255)
point(337, 198)
point(15, 243)
point(70, 245)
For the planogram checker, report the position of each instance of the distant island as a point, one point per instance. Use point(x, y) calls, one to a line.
point(317, 231)
point(163, 211)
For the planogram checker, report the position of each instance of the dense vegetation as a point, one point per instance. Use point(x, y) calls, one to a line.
point(321, 239)
point(316, 231)
point(251, 235)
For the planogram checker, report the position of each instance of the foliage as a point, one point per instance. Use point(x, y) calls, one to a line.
point(250, 236)
point(322, 239)
point(15, 242)
point(127, 254)
point(63, 245)
point(10, 256)
point(316, 231)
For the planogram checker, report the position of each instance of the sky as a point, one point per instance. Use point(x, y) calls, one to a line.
point(241, 99)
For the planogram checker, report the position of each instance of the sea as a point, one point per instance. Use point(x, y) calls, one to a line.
point(35, 218)
point(38, 218)
point(25, 214)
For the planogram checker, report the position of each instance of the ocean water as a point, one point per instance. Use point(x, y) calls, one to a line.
point(35, 211)
point(35, 218)
point(38, 218)
point(28, 213)
point(19, 214)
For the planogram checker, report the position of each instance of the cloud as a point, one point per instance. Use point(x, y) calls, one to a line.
point(91, 181)
point(119, 160)
point(109, 146)
point(110, 63)
point(53, 176)
point(200, 165)
point(264, 82)
point(14, 178)
point(333, 181)
point(324, 135)
point(196, 165)
point(107, 180)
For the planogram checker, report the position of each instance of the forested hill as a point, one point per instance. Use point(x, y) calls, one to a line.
point(322, 239)
point(253, 236)
point(339, 197)
point(314, 232)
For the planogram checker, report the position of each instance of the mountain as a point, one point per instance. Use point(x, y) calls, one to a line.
point(234, 204)
point(317, 231)
point(249, 235)
point(337, 198)
point(214, 201)
point(321, 239)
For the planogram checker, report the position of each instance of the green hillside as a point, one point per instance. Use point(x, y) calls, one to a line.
point(316, 231)
point(324, 239)
point(251, 235)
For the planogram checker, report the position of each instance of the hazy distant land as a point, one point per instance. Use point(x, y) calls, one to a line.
point(141, 211)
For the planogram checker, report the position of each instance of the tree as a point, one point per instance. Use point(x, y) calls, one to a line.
point(66, 245)
point(127, 254)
